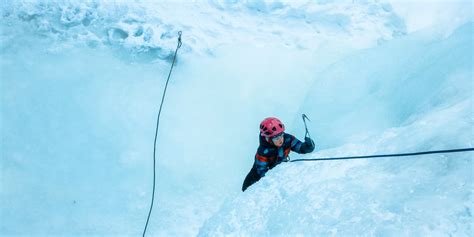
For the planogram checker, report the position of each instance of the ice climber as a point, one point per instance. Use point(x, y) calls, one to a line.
point(275, 145)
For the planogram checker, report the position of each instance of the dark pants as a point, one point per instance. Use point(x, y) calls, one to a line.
point(251, 178)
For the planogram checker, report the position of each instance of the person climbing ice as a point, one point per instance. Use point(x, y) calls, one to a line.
point(275, 145)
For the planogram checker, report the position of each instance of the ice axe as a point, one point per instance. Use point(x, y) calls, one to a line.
point(305, 126)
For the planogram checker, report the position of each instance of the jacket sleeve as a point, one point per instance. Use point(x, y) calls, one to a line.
point(302, 147)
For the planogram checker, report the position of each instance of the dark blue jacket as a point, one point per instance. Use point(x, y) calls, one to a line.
point(268, 155)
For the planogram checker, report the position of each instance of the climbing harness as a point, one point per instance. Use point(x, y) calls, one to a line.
point(156, 133)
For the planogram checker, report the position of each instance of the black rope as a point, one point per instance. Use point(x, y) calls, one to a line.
point(156, 133)
point(388, 155)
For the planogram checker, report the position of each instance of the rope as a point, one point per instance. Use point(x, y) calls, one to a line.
point(388, 155)
point(375, 156)
point(156, 133)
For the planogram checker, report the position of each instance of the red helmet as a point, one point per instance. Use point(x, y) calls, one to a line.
point(270, 127)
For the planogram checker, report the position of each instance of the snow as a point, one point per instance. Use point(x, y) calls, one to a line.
point(146, 29)
point(443, 16)
point(81, 84)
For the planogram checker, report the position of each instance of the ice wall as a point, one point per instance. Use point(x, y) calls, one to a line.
point(81, 82)
point(424, 98)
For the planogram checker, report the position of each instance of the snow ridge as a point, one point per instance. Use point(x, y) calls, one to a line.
point(147, 30)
